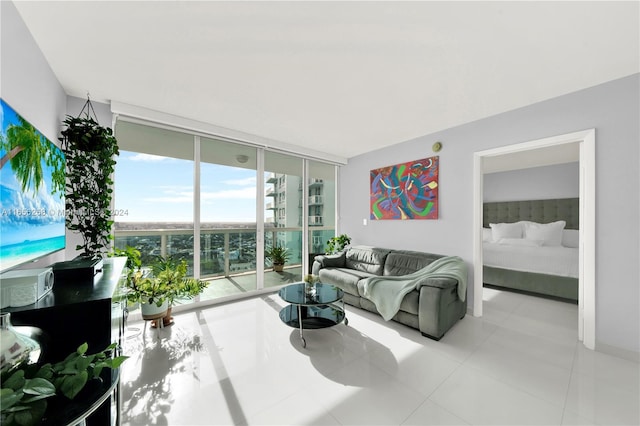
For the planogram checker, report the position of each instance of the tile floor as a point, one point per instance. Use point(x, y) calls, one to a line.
point(236, 363)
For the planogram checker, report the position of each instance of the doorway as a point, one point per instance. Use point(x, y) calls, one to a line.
point(586, 293)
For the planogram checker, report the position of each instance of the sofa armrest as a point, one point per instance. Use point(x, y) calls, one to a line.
point(328, 261)
point(332, 260)
point(443, 283)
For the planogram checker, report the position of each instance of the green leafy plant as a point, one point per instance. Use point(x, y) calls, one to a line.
point(277, 254)
point(173, 274)
point(337, 244)
point(166, 280)
point(90, 152)
point(25, 388)
point(133, 256)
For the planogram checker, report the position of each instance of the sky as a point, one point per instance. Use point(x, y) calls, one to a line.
point(151, 188)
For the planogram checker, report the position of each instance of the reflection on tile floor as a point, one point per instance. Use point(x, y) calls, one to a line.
point(236, 363)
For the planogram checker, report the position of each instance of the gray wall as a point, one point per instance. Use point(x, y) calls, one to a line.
point(29, 86)
point(535, 183)
point(611, 108)
point(27, 82)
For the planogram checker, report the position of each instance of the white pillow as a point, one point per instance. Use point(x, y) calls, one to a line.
point(520, 242)
point(506, 230)
point(549, 233)
point(571, 238)
point(486, 234)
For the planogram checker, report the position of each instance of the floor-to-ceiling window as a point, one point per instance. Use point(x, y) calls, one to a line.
point(219, 204)
point(228, 225)
point(283, 204)
point(321, 184)
point(154, 192)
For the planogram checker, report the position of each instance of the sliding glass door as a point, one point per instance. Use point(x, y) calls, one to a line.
point(283, 217)
point(154, 192)
point(228, 226)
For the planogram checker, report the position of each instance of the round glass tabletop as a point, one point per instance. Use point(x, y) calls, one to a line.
point(320, 294)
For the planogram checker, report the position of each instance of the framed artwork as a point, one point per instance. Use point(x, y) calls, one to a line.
point(405, 191)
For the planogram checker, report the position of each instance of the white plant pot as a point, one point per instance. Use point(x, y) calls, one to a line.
point(151, 311)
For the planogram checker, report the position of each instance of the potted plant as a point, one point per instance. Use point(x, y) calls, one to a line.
point(173, 276)
point(152, 294)
point(337, 244)
point(90, 152)
point(278, 256)
point(158, 286)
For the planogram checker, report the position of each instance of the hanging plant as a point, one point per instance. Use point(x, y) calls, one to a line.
point(90, 152)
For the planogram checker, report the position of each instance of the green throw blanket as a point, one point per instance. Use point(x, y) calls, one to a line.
point(387, 292)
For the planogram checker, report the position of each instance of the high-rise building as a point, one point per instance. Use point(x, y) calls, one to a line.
point(287, 206)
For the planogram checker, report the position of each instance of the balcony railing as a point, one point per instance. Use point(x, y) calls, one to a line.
point(315, 200)
point(223, 252)
point(272, 178)
point(315, 220)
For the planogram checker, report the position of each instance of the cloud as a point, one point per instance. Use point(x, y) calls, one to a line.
point(171, 199)
point(241, 182)
point(174, 197)
point(176, 189)
point(248, 193)
point(184, 194)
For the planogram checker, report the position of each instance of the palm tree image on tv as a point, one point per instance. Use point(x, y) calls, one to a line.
point(32, 179)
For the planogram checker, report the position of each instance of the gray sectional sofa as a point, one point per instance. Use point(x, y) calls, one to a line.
point(433, 308)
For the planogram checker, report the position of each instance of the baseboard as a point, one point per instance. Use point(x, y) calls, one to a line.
point(618, 352)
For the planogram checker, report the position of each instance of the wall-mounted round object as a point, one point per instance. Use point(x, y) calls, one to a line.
point(437, 146)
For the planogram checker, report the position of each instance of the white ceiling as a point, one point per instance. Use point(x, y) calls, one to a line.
point(339, 77)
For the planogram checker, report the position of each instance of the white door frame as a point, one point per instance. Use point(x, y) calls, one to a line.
point(587, 260)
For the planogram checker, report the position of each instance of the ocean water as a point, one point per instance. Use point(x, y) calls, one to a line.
point(15, 254)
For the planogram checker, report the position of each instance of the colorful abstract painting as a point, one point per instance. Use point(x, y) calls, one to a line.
point(405, 191)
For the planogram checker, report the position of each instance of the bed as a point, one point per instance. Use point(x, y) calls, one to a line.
point(532, 247)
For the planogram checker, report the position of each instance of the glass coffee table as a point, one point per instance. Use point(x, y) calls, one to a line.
point(312, 306)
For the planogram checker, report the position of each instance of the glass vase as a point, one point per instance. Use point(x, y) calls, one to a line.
point(15, 347)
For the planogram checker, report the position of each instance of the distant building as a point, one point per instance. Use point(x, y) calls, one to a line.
point(287, 204)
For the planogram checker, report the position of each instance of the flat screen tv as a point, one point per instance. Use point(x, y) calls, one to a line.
point(32, 218)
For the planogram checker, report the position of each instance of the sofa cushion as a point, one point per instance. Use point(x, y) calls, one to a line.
point(366, 259)
point(403, 262)
point(346, 279)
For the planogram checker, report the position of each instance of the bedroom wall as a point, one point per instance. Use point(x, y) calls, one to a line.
point(29, 86)
point(535, 183)
point(612, 109)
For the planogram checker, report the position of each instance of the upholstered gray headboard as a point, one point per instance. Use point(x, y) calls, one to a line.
point(541, 211)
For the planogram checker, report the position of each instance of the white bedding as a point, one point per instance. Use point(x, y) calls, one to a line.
point(558, 260)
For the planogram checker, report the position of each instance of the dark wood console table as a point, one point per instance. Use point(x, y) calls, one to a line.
point(76, 313)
